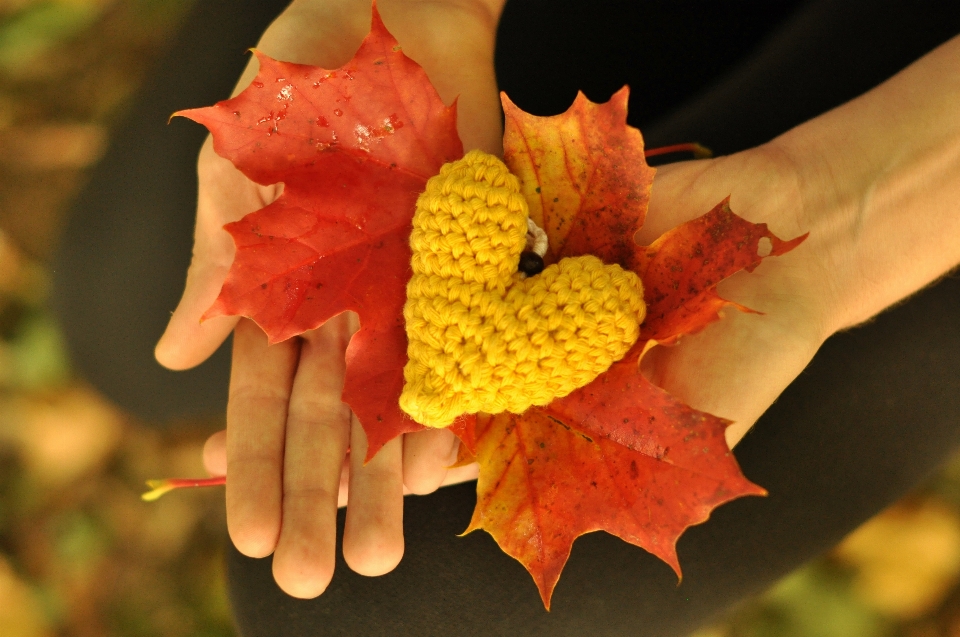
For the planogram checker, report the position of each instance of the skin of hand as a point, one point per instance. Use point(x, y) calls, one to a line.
point(285, 446)
point(876, 183)
point(736, 367)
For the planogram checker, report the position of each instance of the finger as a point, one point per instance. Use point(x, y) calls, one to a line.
point(215, 454)
point(426, 456)
point(343, 495)
point(225, 195)
point(318, 432)
point(373, 534)
point(187, 341)
point(260, 382)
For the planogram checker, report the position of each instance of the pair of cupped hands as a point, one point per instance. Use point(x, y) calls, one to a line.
point(285, 447)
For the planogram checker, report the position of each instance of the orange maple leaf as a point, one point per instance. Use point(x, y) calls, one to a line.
point(619, 454)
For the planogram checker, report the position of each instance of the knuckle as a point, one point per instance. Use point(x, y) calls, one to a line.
point(320, 412)
point(256, 397)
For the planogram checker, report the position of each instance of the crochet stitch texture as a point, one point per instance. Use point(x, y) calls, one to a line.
point(483, 337)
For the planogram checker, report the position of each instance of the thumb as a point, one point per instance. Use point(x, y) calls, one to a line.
point(225, 195)
point(187, 341)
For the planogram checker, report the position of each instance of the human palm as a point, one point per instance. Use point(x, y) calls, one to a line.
point(292, 449)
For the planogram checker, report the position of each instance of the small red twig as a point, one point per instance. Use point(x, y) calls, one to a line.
point(699, 152)
point(160, 487)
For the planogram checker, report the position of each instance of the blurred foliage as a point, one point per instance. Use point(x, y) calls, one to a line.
point(81, 555)
point(67, 70)
point(898, 575)
point(812, 602)
point(37, 29)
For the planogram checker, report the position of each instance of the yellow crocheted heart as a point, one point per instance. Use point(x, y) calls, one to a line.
point(483, 337)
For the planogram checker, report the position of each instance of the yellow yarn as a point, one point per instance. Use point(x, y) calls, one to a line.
point(483, 337)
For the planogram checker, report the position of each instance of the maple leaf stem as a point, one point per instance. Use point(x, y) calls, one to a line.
point(161, 487)
point(699, 152)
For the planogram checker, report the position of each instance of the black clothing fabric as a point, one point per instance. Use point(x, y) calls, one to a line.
point(874, 414)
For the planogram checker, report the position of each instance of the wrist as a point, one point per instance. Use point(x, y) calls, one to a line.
point(878, 181)
point(825, 204)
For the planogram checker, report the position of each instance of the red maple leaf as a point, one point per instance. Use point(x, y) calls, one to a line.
point(353, 147)
point(620, 454)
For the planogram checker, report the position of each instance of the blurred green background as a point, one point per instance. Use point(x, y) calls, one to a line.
point(81, 555)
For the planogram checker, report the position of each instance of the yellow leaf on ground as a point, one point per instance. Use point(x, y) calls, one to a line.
point(908, 558)
point(20, 611)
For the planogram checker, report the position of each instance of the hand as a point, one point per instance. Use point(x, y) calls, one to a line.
point(738, 366)
point(874, 182)
point(287, 431)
